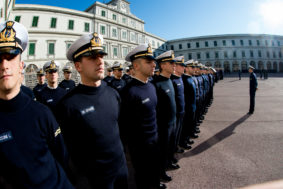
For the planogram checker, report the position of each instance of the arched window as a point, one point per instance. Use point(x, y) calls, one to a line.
point(227, 66)
point(244, 66)
point(260, 65)
point(30, 75)
point(235, 66)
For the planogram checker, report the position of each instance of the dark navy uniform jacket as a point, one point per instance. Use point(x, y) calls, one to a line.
point(166, 105)
point(138, 113)
point(67, 84)
point(51, 97)
point(190, 93)
point(27, 91)
point(196, 85)
point(253, 83)
point(118, 84)
point(127, 78)
point(37, 89)
point(32, 151)
point(88, 117)
point(179, 93)
point(108, 79)
point(200, 87)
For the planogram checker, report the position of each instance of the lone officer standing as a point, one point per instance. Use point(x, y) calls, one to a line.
point(117, 82)
point(67, 84)
point(88, 116)
point(32, 151)
point(253, 89)
point(166, 111)
point(41, 82)
point(138, 119)
point(51, 94)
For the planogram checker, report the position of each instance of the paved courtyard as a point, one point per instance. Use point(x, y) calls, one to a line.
point(236, 150)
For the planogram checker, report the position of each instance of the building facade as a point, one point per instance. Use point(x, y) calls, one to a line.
point(5, 9)
point(233, 52)
point(52, 30)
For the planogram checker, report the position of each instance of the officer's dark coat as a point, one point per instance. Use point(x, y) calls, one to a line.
point(51, 97)
point(67, 84)
point(38, 88)
point(32, 151)
point(118, 84)
point(88, 117)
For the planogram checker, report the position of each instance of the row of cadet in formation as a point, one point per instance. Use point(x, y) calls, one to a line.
point(149, 116)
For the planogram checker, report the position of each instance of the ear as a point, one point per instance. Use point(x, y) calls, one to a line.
point(78, 66)
point(21, 66)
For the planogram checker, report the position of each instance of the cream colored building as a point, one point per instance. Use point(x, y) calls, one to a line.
point(233, 52)
point(5, 9)
point(53, 29)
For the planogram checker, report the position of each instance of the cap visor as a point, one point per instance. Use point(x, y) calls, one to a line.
point(10, 51)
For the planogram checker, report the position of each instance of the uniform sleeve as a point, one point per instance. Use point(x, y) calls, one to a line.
point(55, 141)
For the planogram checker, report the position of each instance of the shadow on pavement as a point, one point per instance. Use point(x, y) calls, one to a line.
point(234, 80)
point(216, 138)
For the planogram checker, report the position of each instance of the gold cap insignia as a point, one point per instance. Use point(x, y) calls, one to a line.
point(95, 41)
point(8, 34)
point(52, 65)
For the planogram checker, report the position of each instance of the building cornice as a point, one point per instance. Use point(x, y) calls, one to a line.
point(114, 10)
point(54, 33)
point(53, 9)
point(224, 36)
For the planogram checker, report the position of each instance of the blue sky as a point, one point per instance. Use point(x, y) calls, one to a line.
point(173, 19)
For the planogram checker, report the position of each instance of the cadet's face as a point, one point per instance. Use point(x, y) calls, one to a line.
point(91, 68)
point(109, 73)
point(169, 67)
point(40, 79)
point(67, 75)
point(179, 69)
point(118, 73)
point(146, 67)
point(10, 72)
point(250, 70)
point(52, 76)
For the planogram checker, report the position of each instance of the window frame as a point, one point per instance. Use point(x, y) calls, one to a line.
point(29, 48)
point(53, 22)
point(34, 23)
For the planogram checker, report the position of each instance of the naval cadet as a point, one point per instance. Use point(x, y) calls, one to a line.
point(138, 119)
point(178, 84)
point(88, 116)
point(32, 151)
point(166, 111)
point(127, 76)
point(253, 89)
point(117, 82)
point(52, 93)
point(109, 76)
point(40, 75)
point(67, 84)
point(189, 124)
